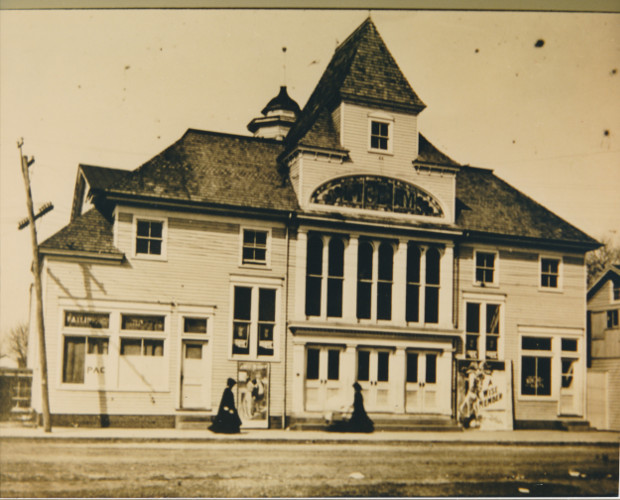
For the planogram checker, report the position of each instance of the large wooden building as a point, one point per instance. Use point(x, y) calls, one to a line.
point(336, 244)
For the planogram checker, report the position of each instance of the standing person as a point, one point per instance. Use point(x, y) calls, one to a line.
point(227, 420)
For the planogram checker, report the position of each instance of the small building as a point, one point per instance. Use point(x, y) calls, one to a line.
point(336, 244)
point(604, 350)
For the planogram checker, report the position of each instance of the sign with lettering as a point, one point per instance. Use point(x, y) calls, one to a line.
point(371, 192)
point(142, 322)
point(485, 395)
point(80, 319)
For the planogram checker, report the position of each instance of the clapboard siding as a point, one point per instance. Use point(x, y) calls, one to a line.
point(398, 164)
point(602, 298)
point(612, 367)
point(202, 254)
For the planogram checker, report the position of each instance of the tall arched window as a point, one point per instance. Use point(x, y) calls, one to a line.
point(431, 299)
point(413, 283)
point(384, 281)
point(364, 279)
point(314, 275)
point(335, 278)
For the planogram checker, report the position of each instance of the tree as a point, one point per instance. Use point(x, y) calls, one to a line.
point(598, 260)
point(17, 344)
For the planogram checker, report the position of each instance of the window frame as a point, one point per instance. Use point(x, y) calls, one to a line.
point(538, 353)
point(268, 243)
point(560, 273)
point(164, 237)
point(495, 282)
point(255, 285)
point(384, 119)
point(612, 319)
point(484, 301)
point(614, 287)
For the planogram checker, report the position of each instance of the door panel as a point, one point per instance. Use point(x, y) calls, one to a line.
point(194, 375)
point(569, 397)
point(423, 388)
point(323, 391)
point(373, 368)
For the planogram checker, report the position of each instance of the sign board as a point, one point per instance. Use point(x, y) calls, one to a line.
point(253, 394)
point(80, 319)
point(484, 394)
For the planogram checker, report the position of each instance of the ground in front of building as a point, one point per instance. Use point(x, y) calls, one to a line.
point(32, 468)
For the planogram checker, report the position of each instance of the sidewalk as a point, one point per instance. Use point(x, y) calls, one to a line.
point(9, 431)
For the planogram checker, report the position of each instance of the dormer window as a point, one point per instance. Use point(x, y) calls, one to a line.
point(380, 133)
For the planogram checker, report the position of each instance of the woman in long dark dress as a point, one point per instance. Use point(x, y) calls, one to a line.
point(359, 421)
point(227, 420)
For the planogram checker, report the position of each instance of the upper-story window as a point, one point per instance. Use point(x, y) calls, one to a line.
point(550, 272)
point(254, 247)
point(328, 274)
point(431, 290)
point(483, 326)
point(486, 268)
point(615, 291)
point(254, 321)
point(380, 132)
point(375, 282)
point(150, 238)
point(612, 318)
point(384, 281)
point(426, 290)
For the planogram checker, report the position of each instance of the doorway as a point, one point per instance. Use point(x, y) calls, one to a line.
point(194, 375)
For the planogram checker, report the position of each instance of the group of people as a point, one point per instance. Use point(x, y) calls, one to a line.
point(227, 420)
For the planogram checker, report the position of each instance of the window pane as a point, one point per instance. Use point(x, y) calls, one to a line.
point(544, 375)
point(473, 317)
point(312, 364)
point(568, 367)
point(313, 296)
point(260, 254)
point(143, 228)
point(413, 303)
point(243, 302)
point(491, 347)
point(142, 322)
point(413, 264)
point(336, 257)
point(156, 229)
point(315, 256)
point(528, 375)
point(471, 346)
point(536, 343)
point(363, 300)
point(248, 236)
point(265, 339)
point(431, 368)
point(432, 266)
point(412, 367)
point(363, 365)
point(131, 347)
point(384, 301)
point(383, 366)
point(155, 248)
point(142, 246)
point(334, 297)
point(333, 364)
point(569, 345)
point(266, 304)
point(535, 376)
point(386, 260)
point(241, 337)
point(73, 369)
point(193, 351)
point(195, 325)
point(153, 347)
point(260, 237)
point(431, 306)
point(493, 318)
point(364, 261)
point(97, 346)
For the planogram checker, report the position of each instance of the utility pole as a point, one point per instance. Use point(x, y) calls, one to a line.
point(36, 270)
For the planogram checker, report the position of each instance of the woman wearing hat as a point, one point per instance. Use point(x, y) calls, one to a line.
point(227, 420)
point(359, 421)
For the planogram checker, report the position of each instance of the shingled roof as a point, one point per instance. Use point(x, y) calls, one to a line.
point(490, 205)
point(90, 233)
point(102, 177)
point(213, 168)
point(363, 71)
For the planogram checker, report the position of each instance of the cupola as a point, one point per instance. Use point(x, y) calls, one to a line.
point(278, 117)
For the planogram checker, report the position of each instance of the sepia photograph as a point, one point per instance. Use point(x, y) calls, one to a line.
point(269, 251)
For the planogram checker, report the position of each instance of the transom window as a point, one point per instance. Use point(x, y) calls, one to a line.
point(549, 273)
point(379, 135)
point(254, 246)
point(485, 267)
point(194, 325)
point(149, 237)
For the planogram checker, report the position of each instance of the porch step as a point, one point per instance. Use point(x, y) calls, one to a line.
point(195, 420)
point(575, 425)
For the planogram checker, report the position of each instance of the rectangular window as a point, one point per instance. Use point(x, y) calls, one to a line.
point(616, 291)
point(364, 279)
point(536, 343)
point(612, 318)
point(431, 292)
point(379, 135)
point(485, 267)
point(333, 364)
point(335, 277)
point(194, 325)
point(549, 273)
point(79, 319)
point(314, 275)
point(254, 247)
point(412, 367)
point(149, 237)
point(73, 363)
point(142, 347)
point(383, 366)
point(569, 345)
point(384, 282)
point(431, 368)
point(568, 370)
point(472, 325)
point(536, 376)
point(254, 321)
point(266, 321)
point(312, 364)
point(363, 366)
point(413, 283)
point(492, 331)
point(142, 322)
point(142, 363)
point(98, 346)
point(193, 351)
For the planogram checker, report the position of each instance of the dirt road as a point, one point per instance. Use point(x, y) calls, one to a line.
point(31, 468)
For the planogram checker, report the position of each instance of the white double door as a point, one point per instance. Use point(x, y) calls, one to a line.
point(324, 389)
point(423, 383)
point(373, 374)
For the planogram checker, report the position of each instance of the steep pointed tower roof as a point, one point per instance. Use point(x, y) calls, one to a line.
point(361, 71)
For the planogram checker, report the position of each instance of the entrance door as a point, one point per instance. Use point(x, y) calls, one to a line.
point(194, 375)
point(324, 390)
point(421, 385)
point(569, 397)
point(373, 374)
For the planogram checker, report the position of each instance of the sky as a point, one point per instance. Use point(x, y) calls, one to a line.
point(534, 96)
